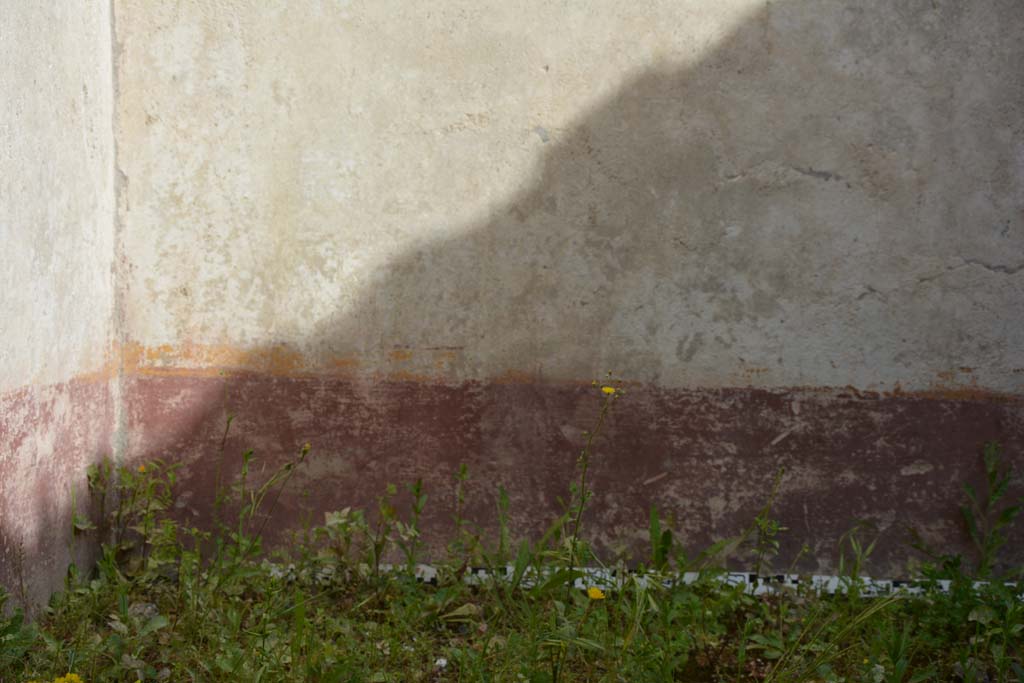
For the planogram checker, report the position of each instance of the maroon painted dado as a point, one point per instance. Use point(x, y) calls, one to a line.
point(705, 457)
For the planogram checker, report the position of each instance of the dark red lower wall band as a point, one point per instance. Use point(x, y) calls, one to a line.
point(49, 436)
point(706, 458)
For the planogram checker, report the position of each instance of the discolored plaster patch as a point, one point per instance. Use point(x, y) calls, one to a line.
point(915, 468)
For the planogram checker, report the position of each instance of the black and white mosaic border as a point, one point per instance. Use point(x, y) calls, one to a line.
point(753, 583)
point(612, 579)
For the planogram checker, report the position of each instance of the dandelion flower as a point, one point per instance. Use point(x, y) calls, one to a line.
point(595, 593)
point(607, 390)
point(142, 469)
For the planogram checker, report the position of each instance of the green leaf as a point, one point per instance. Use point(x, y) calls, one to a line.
point(982, 614)
point(556, 581)
point(129, 662)
point(588, 644)
point(771, 647)
point(654, 528)
point(463, 614)
point(523, 558)
point(154, 624)
point(969, 490)
point(81, 524)
point(972, 525)
point(1007, 516)
point(922, 676)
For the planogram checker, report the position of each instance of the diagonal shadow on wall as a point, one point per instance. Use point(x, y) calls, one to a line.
point(741, 212)
point(747, 211)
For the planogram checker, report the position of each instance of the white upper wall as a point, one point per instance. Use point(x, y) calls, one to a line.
point(684, 192)
point(56, 190)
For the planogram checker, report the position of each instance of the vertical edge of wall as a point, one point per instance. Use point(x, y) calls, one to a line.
point(120, 262)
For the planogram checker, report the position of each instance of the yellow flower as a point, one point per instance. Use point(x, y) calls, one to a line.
point(608, 390)
point(142, 470)
point(595, 593)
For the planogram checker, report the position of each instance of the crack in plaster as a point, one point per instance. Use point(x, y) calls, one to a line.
point(993, 267)
point(820, 175)
point(965, 263)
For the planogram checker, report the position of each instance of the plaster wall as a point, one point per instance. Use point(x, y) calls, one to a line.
point(56, 280)
point(689, 194)
point(753, 212)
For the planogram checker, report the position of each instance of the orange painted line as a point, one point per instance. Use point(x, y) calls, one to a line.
point(190, 359)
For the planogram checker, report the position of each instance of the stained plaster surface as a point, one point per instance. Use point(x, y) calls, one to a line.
point(688, 193)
